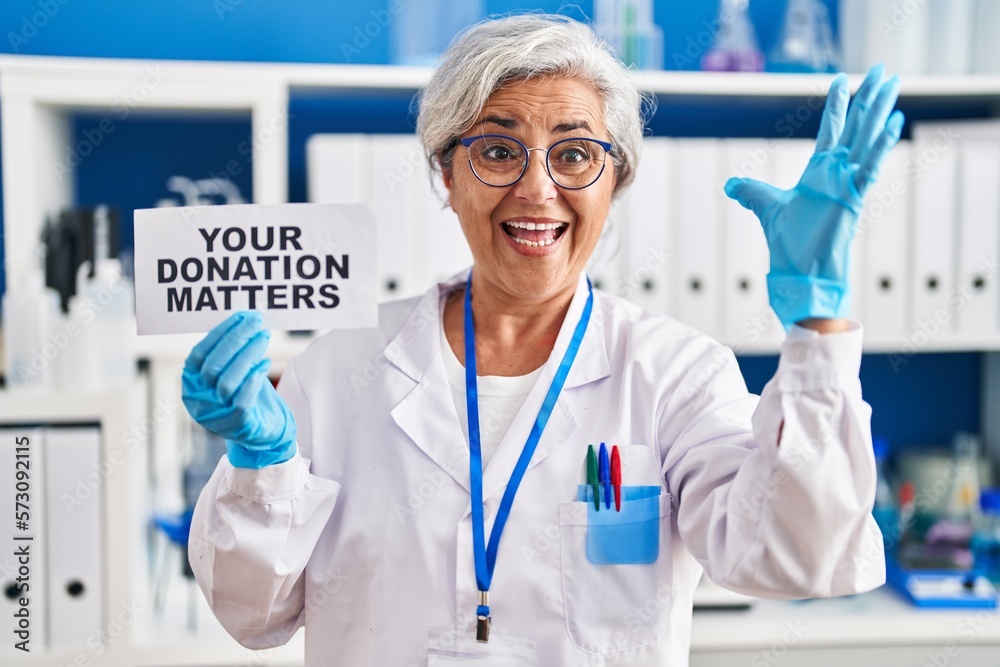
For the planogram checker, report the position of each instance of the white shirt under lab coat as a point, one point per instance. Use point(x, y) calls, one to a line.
point(365, 536)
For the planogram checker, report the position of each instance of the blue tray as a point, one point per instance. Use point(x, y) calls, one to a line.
point(940, 588)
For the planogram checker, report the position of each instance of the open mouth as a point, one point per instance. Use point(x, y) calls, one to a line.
point(534, 234)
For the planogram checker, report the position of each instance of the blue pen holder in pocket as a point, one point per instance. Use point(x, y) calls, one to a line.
point(628, 537)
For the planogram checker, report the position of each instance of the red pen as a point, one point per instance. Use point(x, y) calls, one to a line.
point(616, 477)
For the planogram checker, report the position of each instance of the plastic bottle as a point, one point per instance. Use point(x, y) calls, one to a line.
point(986, 540)
point(103, 351)
point(31, 342)
point(103, 310)
point(885, 511)
point(81, 367)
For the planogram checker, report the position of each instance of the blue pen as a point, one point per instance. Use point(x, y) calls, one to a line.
point(604, 472)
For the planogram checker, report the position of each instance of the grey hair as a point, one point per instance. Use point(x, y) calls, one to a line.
point(497, 52)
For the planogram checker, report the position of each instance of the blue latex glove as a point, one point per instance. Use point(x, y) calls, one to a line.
point(226, 390)
point(810, 227)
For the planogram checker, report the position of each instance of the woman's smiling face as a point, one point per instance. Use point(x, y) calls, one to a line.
point(541, 262)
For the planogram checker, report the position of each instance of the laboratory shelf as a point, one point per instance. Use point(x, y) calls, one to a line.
point(36, 406)
point(222, 79)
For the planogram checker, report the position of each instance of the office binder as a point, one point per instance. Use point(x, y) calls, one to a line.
point(976, 304)
point(447, 251)
point(73, 536)
point(14, 539)
point(697, 195)
point(934, 169)
point(747, 315)
point(380, 170)
point(649, 230)
point(881, 237)
point(337, 168)
point(395, 172)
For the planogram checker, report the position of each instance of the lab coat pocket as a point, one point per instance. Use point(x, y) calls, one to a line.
point(616, 597)
point(626, 536)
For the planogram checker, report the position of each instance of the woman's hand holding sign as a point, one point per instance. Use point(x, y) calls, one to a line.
point(226, 390)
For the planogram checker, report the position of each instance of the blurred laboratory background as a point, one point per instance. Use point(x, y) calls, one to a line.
point(114, 106)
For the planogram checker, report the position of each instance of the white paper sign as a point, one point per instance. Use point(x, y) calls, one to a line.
point(305, 266)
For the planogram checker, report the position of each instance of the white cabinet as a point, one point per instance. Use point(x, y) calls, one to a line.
point(127, 631)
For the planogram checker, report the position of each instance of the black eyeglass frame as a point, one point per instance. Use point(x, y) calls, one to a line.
point(607, 146)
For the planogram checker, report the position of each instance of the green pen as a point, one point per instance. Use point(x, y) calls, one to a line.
point(592, 480)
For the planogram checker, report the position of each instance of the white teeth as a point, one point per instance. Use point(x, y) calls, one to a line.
point(531, 226)
point(535, 244)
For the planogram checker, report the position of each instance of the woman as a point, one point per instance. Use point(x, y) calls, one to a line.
point(374, 511)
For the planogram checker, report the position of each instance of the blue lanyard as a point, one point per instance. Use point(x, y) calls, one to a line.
point(486, 557)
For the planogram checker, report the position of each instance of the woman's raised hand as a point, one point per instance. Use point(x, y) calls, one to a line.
point(809, 228)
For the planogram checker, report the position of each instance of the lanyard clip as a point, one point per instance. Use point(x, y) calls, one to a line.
point(483, 619)
point(483, 628)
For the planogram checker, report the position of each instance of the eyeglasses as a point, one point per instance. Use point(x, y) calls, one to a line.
point(573, 164)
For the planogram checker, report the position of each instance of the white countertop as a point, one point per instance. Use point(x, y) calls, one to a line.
point(879, 618)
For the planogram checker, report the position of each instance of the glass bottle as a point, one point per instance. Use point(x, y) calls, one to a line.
point(885, 511)
point(963, 499)
point(806, 43)
point(735, 48)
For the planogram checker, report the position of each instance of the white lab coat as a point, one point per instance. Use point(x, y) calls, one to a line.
point(365, 535)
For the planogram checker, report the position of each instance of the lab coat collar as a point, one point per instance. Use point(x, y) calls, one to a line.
point(412, 351)
point(427, 412)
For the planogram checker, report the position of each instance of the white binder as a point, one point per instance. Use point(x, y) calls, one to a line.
point(395, 172)
point(11, 590)
point(381, 170)
point(977, 301)
point(747, 315)
point(447, 252)
point(698, 209)
point(648, 230)
point(881, 237)
point(73, 540)
point(337, 168)
point(935, 209)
